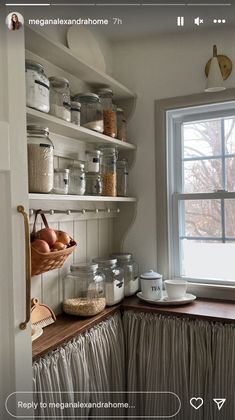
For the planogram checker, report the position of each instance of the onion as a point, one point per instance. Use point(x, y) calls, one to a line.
point(63, 237)
point(58, 246)
point(41, 246)
point(48, 235)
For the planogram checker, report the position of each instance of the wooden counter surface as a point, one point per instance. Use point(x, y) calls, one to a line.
point(66, 327)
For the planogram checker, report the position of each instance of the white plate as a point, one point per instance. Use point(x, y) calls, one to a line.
point(86, 47)
point(168, 302)
point(36, 332)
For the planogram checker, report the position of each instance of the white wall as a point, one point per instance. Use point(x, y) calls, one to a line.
point(155, 69)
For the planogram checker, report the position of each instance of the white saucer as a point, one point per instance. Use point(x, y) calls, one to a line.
point(165, 301)
point(36, 332)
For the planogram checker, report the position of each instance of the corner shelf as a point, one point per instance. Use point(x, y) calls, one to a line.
point(64, 128)
point(79, 198)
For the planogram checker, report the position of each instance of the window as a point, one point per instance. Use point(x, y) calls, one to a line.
point(201, 193)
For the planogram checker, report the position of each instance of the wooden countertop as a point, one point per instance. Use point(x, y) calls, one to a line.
point(66, 327)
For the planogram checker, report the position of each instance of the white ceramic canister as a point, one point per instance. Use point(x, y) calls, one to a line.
point(151, 285)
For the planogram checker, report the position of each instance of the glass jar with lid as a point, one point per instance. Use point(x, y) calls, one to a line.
point(75, 112)
point(122, 177)
point(109, 170)
point(37, 86)
point(91, 111)
point(114, 279)
point(77, 180)
point(130, 267)
point(84, 293)
point(121, 125)
point(40, 159)
point(93, 183)
point(61, 181)
point(109, 111)
point(60, 98)
point(93, 160)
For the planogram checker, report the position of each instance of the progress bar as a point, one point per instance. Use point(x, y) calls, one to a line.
point(124, 4)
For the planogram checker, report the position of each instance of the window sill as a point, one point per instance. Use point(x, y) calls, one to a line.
point(212, 291)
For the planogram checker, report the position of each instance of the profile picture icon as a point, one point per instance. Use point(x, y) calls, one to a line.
point(14, 21)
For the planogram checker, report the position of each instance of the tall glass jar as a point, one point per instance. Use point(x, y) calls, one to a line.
point(109, 170)
point(91, 111)
point(130, 267)
point(122, 177)
point(77, 179)
point(93, 160)
point(84, 293)
point(75, 112)
point(114, 279)
point(60, 98)
point(37, 86)
point(121, 125)
point(109, 112)
point(40, 159)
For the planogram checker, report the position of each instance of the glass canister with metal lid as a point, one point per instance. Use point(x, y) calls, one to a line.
point(77, 179)
point(122, 177)
point(130, 267)
point(121, 125)
point(114, 279)
point(109, 111)
point(84, 293)
point(37, 86)
point(40, 159)
point(91, 111)
point(60, 98)
point(109, 170)
point(75, 112)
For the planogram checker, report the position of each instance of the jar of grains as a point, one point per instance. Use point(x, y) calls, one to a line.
point(109, 170)
point(75, 112)
point(37, 86)
point(130, 267)
point(114, 279)
point(60, 98)
point(121, 125)
point(61, 181)
point(77, 180)
point(93, 183)
point(91, 111)
point(40, 159)
point(122, 177)
point(93, 161)
point(109, 111)
point(84, 293)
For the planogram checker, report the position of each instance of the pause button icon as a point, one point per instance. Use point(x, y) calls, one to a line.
point(180, 21)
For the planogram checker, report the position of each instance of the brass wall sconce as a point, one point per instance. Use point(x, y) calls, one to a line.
point(218, 69)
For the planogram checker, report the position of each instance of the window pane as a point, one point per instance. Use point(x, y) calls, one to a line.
point(201, 218)
point(202, 139)
point(229, 206)
point(202, 176)
point(229, 131)
point(208, 260)
point(230, 173)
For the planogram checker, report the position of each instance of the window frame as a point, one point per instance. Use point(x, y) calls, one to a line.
point(170, 114)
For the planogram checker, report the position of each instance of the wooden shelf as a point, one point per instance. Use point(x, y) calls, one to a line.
point(63, 57)
point(66, 129)
point(67, 198)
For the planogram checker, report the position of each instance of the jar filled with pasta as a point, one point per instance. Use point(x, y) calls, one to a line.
point(109, 112)
point(109, 170)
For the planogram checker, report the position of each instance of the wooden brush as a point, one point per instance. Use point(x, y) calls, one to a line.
point(41, 315)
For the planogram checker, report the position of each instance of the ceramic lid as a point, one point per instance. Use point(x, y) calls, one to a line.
point(151, 275)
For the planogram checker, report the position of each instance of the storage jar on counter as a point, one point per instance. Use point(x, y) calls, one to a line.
point(75, 112)
point(122, 177)
point(114, 279)
point(84, 293)
point(40, 159)
point(109, 170)
point(61, 181)
point(37, 86)
point(91, 111)
point(109, 111)
point(77, 180)
point(60, 98)
point(130, 267)
point(121, 125)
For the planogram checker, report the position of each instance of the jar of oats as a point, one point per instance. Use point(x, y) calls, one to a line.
point(109, 111)
point(109, 170)
point(40, 159)
point(84, 293)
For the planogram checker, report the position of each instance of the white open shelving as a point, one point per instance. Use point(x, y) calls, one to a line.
point(78, 198)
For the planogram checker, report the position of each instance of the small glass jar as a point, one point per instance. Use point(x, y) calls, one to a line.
point(60, 98)
point(93, 161)
point(61, 181)
point(84, 293)
point(130, 267)
point(109, 170)
point(91, 111)
point(93, 183)
point(75, 112)
point(121, 125)
point(77, 179)
point(114, 279)
point(109, 112)
point(40, 159)
point(122, 177)
point(37, 86)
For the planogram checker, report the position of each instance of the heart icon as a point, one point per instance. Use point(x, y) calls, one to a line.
point(196, 402)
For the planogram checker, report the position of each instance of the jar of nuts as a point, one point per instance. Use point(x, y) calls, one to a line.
point(109, 170)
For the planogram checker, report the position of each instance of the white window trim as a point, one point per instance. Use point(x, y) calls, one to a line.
point(169, 110)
